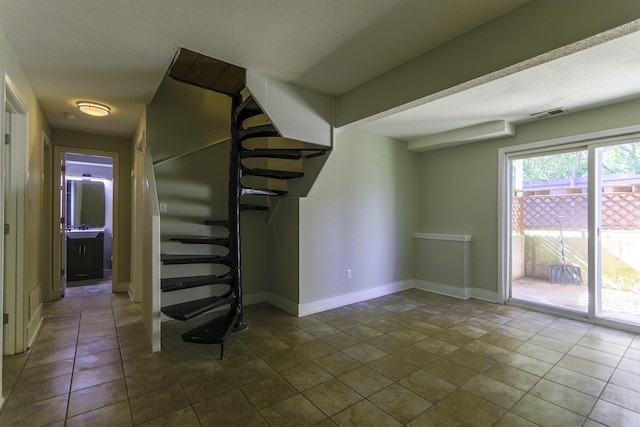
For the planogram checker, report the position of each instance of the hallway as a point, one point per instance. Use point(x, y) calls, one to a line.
point(411, 358)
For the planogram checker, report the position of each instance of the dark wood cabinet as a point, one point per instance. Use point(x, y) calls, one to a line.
point(85, 258)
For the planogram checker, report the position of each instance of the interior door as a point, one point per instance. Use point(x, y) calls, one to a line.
point(59, 246)
point(9, 248)
point(63, 225)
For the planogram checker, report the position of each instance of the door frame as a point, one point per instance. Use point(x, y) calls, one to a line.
point(55, 240)
point(590, 141)
point(10, 98)
point(47, 220)
point(137, 221)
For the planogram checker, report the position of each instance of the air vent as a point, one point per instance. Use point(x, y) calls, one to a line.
point(548, 113)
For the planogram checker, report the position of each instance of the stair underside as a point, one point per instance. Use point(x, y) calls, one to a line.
point(190, 309)
point(193, 259)
point(208, 73)
point(215, 331)
point(178, 283)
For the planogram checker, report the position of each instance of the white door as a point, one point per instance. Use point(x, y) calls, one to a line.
point(9, 247)
point(59, 218)
point(63, 225)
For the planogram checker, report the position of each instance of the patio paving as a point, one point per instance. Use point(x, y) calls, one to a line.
point(616, 304)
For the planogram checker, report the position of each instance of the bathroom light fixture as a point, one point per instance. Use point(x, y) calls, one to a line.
point(93, 109)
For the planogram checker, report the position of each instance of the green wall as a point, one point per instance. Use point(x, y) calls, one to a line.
point(284, 253)
point(360, 215)
point(459, 185)
point(182, 117)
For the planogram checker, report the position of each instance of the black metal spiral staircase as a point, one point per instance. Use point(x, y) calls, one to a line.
point(217, 330)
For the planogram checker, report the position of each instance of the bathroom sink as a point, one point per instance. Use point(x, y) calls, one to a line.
point(84, 234)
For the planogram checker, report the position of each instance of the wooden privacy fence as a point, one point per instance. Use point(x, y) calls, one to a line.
point(550, 208)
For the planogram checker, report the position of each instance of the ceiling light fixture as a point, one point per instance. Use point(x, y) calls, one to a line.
point(93, 109)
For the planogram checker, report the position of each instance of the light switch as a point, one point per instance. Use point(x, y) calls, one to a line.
point(163, 208)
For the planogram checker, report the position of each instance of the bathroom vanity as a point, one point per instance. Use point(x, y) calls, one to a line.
point(85, 250)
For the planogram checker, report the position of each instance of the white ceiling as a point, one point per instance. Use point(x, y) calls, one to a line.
point(118, 52)
point(604, 73)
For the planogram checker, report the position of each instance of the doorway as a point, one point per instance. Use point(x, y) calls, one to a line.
point(574, 230)
point(89, 219)
point(85, 206)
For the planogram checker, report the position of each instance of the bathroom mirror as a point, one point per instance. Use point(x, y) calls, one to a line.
point(85, 204)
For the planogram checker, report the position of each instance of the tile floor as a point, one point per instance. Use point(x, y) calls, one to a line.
point(412, 358)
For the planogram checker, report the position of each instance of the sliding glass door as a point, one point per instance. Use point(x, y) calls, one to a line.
point(619, 244)
point(550, 230)
point(575, 230)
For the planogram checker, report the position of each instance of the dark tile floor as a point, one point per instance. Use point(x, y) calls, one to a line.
point(412, 358)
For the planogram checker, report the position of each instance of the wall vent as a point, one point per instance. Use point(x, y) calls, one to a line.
point(548, 113)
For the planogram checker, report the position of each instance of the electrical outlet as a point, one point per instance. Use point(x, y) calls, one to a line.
point(348, 273)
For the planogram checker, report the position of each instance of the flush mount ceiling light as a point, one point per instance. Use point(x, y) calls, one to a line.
point(94, 109)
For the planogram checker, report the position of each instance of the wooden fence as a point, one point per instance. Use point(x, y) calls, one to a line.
point(552, 208)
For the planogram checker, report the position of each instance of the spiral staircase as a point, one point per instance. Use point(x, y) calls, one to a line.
point(249, 124)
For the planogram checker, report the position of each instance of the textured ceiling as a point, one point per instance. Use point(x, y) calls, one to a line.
point(579, 78)
point(118, 51)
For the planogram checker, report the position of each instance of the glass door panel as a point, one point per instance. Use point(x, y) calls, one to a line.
point(620, 232)
point(549, 250)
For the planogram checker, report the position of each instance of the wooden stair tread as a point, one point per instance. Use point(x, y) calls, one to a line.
point(255, 191)
point(177, 283)
point(190, 309)
point(247, 207)
point(170, 259)
point(214, 331)
point(282, 153)
point(202, 240)
point(247, 109)
point(271, 173)
point(262, 131)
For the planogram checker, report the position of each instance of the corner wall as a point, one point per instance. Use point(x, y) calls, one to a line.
point(359, 215)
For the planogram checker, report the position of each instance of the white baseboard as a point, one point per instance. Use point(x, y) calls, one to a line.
point(352, 298)
point(35, 324)
point(36, 319)
point(456, 292)
point(123, 287)
point(284, 304)
point(313, 307)
point(132, 293)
